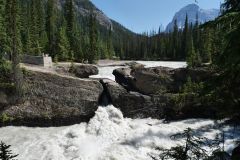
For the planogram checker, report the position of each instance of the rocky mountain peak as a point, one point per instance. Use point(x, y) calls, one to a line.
point(84, 7)
point(193, 11)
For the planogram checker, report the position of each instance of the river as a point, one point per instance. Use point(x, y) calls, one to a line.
point(108, 135)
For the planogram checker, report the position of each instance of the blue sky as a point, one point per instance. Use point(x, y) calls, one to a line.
point(145, 15)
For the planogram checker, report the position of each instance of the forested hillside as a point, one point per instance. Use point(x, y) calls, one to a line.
point(71, 30)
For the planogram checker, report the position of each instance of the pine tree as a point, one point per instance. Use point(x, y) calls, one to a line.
point(207, 46)
point(25, 20)
point(51, 28)
point(2, 26)
point(190, 51)
point(175, 40)
point(5, 152)
point(78, 45)
point(34, 28)
point(185, 37)
point(191, 149)
point(41, 23)
point(70, 17)
point(93, 38)
point(63, 44)
point(14, 44)
point(196, 34)
point(110, 49)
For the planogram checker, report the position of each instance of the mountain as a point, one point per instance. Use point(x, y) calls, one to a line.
point(192, 10)
point(83, 9)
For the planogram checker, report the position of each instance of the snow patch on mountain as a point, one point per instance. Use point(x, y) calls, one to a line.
point(193, 11)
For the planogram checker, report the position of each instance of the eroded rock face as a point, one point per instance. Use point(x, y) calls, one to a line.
point(152, 80)
point(52, 100)
point(132, 104)
point(124, 78)
point(158, 80)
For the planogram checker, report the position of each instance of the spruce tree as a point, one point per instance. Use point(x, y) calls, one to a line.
point(193, 148)
point(93, 38)
point(14, 44)
point(78, 44)
point(2, 26)
point(51, 27)
point(185, 37)
point(63, 44)
point(191, 54)
point(24, 29)
point(34, 29)
point(70, 17)
point(110, 49)
point(205, 47)
point(190, 51)
point(6, 153)
point(175, 41)
point(41, 24)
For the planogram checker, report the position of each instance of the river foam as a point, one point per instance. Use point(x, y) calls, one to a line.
point(107, 136)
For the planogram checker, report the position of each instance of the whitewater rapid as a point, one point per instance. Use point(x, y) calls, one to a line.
point(106, 71)
point(108, 135)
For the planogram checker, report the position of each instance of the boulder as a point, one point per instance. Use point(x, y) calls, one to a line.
point(134, 65)
point(144, 80)
point(236, 153)
point(124, 78)
point(132, 104)
point(152, 80)
point(53, 100)
point(83, 70)
point(63, 70)
point(159, 80)
point(196, 74)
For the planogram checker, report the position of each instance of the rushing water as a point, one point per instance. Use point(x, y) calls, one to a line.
point(108, 136)
point(106, 71)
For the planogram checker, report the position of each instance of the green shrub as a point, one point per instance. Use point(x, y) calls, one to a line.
point(192, 87)
point(5, 118)
point(6, 71)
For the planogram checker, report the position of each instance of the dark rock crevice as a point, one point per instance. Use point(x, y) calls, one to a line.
point(105, 98)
